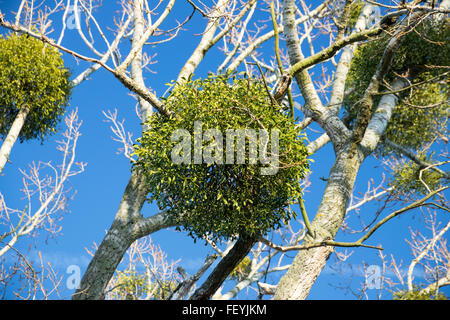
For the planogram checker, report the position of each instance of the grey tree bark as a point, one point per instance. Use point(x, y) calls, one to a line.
point(239, 251)
point(128, 226)
point(350, 153)
point(13, 133)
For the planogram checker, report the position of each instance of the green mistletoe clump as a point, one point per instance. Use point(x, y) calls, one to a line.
point(32, 75)
point(219, 198)
point(422, 111)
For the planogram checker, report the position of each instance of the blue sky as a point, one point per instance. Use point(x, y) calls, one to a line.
point(100, 187)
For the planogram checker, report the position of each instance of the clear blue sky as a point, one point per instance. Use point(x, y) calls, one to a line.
point(100, 187)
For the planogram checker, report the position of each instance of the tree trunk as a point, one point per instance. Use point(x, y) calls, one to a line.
point(13, 133)
point(239, 251)
point(116, 242)
point(308, 264)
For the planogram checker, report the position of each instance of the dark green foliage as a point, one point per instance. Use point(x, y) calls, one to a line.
point(32, 74)
point(222, 200)
point(424, 55)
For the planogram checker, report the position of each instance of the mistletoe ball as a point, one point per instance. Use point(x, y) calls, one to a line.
point(32, 75)
point(229, 160)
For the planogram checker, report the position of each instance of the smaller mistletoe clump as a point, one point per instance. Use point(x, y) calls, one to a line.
point(242, 270)
point(32, 75)
point(220, 199)
point(418, 294)
point(410, 177)
point(422, 111)
point(134, 285)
